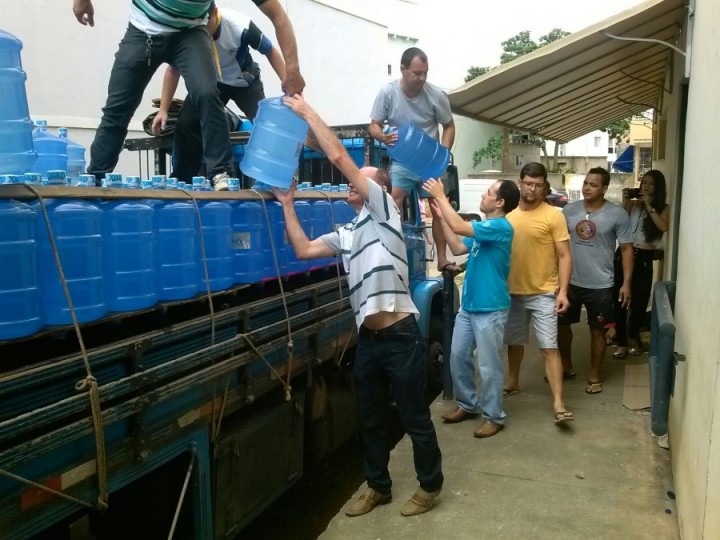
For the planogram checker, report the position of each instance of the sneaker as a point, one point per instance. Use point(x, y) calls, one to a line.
point(220, 182)
point(422, 501)
point(367, 501)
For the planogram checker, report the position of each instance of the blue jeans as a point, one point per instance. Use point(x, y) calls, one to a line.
point(484, 331)
point(136, 60)
point(393, 359)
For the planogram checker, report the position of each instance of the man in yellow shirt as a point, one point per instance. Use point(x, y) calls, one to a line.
point(540, 269)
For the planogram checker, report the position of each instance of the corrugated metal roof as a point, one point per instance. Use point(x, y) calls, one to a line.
point(581, 82)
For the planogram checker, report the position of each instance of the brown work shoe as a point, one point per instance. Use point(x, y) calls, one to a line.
point(487, 429)
point(367, 501)
point(421, 502)
point(457, 415)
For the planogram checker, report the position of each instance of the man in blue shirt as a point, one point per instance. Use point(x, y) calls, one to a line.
point(480, 323)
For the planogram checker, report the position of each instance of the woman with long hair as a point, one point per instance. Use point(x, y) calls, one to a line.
point(649, 219)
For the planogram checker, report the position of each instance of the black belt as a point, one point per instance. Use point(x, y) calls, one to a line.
point(647, 253)
point(402, 326)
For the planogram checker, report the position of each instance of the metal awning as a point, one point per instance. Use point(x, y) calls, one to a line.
point(581, 82)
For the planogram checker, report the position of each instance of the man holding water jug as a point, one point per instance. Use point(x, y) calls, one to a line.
point(390, 353)
point(174, 31)
point(411, 99)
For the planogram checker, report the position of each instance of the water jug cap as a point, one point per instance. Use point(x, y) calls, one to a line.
point(62, 132)
point(233, 184)
point(56, 178)
point(33, 178)
point(86, 180)
point(131, 182)
point(172, 183)
point(198, 183)
point(113, 180)
point(343, 187)
point(10, 179)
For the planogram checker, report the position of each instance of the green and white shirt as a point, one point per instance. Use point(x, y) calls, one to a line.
point(375, 257)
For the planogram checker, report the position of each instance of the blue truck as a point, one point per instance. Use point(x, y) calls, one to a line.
point(188, 418)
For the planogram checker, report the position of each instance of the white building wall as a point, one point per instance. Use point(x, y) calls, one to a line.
point(695, 407)
point(592, 144)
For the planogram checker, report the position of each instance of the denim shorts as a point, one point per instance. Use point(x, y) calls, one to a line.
point(541, 309)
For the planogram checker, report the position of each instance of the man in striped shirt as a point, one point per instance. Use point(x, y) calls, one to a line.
point(174, 32)
point(390, 351)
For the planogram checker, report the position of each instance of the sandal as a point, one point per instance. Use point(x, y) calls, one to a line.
point(510, 391)
point(621, 353)
point(563, 416)
point(593, 387)
point(635, 351)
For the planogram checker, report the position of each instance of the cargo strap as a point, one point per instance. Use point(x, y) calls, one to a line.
point(89, 383)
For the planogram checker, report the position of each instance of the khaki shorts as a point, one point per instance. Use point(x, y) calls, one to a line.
point(540, 308)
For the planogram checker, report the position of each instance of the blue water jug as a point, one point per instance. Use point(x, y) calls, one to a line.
point(77, 229)
point(276, 246)
point(128, 255)
point(321, 218)
point(419, 152)
point(216, 219)
point(16, 144)
point(304, 214)
point(20, 311)
point(176, 262)
point(51, 150)
point(75, 156)
point(249, 241)
point(274, 148)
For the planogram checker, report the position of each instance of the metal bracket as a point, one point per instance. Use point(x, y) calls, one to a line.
point(679, 357)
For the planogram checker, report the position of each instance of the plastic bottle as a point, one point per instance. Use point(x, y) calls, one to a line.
point(77, 229)
point(419, 152)
point(75, 156)
point(249, 241)
point(17, 154)
point(51, 150)
point(176, 262)
point(19, 282)
point(274, 148)
point(216, 219)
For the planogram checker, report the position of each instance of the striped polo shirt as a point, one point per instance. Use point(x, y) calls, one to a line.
point(163, 16)
point(375, 257)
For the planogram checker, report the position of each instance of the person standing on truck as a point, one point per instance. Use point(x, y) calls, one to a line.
point(173, 31)
point(238, 79)
point(480, 323)
point(596, 226)
point(391, 352)
point(540, 268)
point(411, 99)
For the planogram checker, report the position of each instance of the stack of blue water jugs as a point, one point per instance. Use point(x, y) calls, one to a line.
point(127, 254)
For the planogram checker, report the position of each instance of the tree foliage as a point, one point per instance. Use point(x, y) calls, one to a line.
point(493, 151)
point(552, 35)
point(618, 130)
point(474, 72)
point(517, 46)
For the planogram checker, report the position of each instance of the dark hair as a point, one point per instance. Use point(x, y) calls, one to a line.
point(211, 7)
point(409, 54)
point(658, 203)
point(604, 175)
point(534, 170)
point(509, 192)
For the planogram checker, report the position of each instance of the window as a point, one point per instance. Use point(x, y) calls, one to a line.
point(597, 142)
point(389, 69)
point(519, 160)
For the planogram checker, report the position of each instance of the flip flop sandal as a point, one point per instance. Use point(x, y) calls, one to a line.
point(621, 353)
point(510, 391)
point(593, 387)
point(563, 416)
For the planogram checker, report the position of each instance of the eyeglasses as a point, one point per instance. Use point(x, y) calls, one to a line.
point(532, 185)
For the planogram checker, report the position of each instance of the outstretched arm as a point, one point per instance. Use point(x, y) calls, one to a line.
point(277, 62)
point(170, 84)
point(456, 224)
point(84, 12)
point(304, 248)
point(293, 83)
point(329, 143)
point(457, 247)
